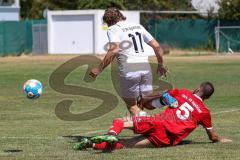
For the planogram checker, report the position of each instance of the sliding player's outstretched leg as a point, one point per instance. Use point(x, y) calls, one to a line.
point(104, 141)
point(89, 142)
point(83, 144)
point(105, 138)
point(135, 142)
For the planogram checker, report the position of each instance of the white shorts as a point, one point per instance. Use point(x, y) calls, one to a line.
point(137, 83)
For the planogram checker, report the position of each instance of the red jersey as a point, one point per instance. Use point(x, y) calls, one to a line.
point(181, 121)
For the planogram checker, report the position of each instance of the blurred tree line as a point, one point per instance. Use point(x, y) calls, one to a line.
point(33, 9)
point(229, 10)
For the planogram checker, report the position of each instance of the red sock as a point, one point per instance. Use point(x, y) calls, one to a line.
point(116, 128)
point(107, 146)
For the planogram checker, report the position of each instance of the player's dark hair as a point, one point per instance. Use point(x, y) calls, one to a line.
point(112, 16)
point(207, 88)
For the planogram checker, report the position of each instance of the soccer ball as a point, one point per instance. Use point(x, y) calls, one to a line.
point(32, 89)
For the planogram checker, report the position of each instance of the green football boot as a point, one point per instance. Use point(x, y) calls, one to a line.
point(83, 144)
point(105, 138)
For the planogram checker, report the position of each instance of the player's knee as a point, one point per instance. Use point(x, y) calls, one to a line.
point(134, 110)
point(128, 125)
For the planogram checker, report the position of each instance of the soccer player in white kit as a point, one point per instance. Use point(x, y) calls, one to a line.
point(134, 69)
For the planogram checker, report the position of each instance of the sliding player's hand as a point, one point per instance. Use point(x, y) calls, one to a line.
point(162, 70)
point(225, 140)
point(95, 72)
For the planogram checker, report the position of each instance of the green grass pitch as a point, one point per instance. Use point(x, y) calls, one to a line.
point(31, 129)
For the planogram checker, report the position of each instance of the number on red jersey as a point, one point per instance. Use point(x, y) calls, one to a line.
point(186, 108)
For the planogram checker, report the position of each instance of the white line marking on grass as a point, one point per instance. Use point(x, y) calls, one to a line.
point(227, 111)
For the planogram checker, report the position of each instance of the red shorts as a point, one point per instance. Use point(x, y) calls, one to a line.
point(152, 129)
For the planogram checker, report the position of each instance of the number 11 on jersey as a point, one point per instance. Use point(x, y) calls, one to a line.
point(134, 41)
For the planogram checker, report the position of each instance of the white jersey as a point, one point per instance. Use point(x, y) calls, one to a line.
point(133, 39)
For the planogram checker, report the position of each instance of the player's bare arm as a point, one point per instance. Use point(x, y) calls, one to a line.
point(109, 57)
point(162, 70)
point(213, 136)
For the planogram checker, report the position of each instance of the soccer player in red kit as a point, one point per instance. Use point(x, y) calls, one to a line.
point(165, 129)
